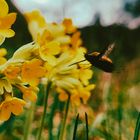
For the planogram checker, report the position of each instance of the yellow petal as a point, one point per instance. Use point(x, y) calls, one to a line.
point(17, 109)
point(63, 97)
point(35, 16)
point(7, 33)
point(3, 51)
point(1, 90)
point(90, 87)
point(32, 96)
point(54, 47)
point(3, 8)
point(55, 29)
point(2, 60)
point(5, 113)
point(49, 58)
point(85, 75)
point(7, 85)
point(68, 25)
point(2, 38)
point(85, 96)
point(32, 71)
point(63, 39)
point(29, 93)
point(7, 21)
point(26, 52)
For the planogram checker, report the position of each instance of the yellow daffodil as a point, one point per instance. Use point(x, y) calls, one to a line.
point(10, 105)
point(12, 72)
point(5, 85)
point(25, 52)
point(32, 71)
point(84, 74)
point(76, 40)
point(69, 27)
point(29, 93)
point(60, 48)
point(6, 21)
point(63, 95)
point(81, 93)
point(47, 48)
point(3, 52)
point(70, 78)
point(61, 72)
point(36, 23)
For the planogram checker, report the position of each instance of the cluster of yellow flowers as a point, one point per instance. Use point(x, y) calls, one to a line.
point(51, 57)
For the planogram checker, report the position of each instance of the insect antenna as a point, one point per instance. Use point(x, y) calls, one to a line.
point(77, 62)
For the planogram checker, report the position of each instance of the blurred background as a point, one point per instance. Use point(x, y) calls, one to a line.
point(116, 100)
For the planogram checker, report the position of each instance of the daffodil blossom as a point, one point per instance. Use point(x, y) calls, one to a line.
point(10, 105)
point(6, 20)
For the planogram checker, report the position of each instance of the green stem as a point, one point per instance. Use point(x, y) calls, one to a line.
point(29, 119)
point(46, 91)
point(86, 118)
point(64, 120)
point(75, 127)
point(52, 113)
point(137, 129)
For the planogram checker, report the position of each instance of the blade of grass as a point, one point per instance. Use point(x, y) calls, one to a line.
point(137, 129)
point(75, 127)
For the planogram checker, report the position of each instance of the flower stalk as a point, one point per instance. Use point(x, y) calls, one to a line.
point(62, 129)
point(29, 119)
point(46, 91)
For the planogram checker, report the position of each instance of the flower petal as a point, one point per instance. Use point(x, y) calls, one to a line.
point(4, 112)
point(7, 33)
point(2, 38)
point(26, 52)
point(49, 58)
point(3, 8)
point(53, 47)
point(7, 21)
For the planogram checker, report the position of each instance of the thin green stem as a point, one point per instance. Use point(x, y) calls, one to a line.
point(86, 118)
point(46, 91)
point(29, 119)
point(52, 113)
point(137, 129)
point(75, 127)
point(64, 120)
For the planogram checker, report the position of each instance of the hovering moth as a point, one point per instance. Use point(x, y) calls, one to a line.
point(101, 60)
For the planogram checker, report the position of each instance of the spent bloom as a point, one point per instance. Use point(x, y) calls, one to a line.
point(6, 21)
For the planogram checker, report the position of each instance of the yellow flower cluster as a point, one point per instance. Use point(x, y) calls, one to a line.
point(53, 56)
point(60, 47)
point(21, 71)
